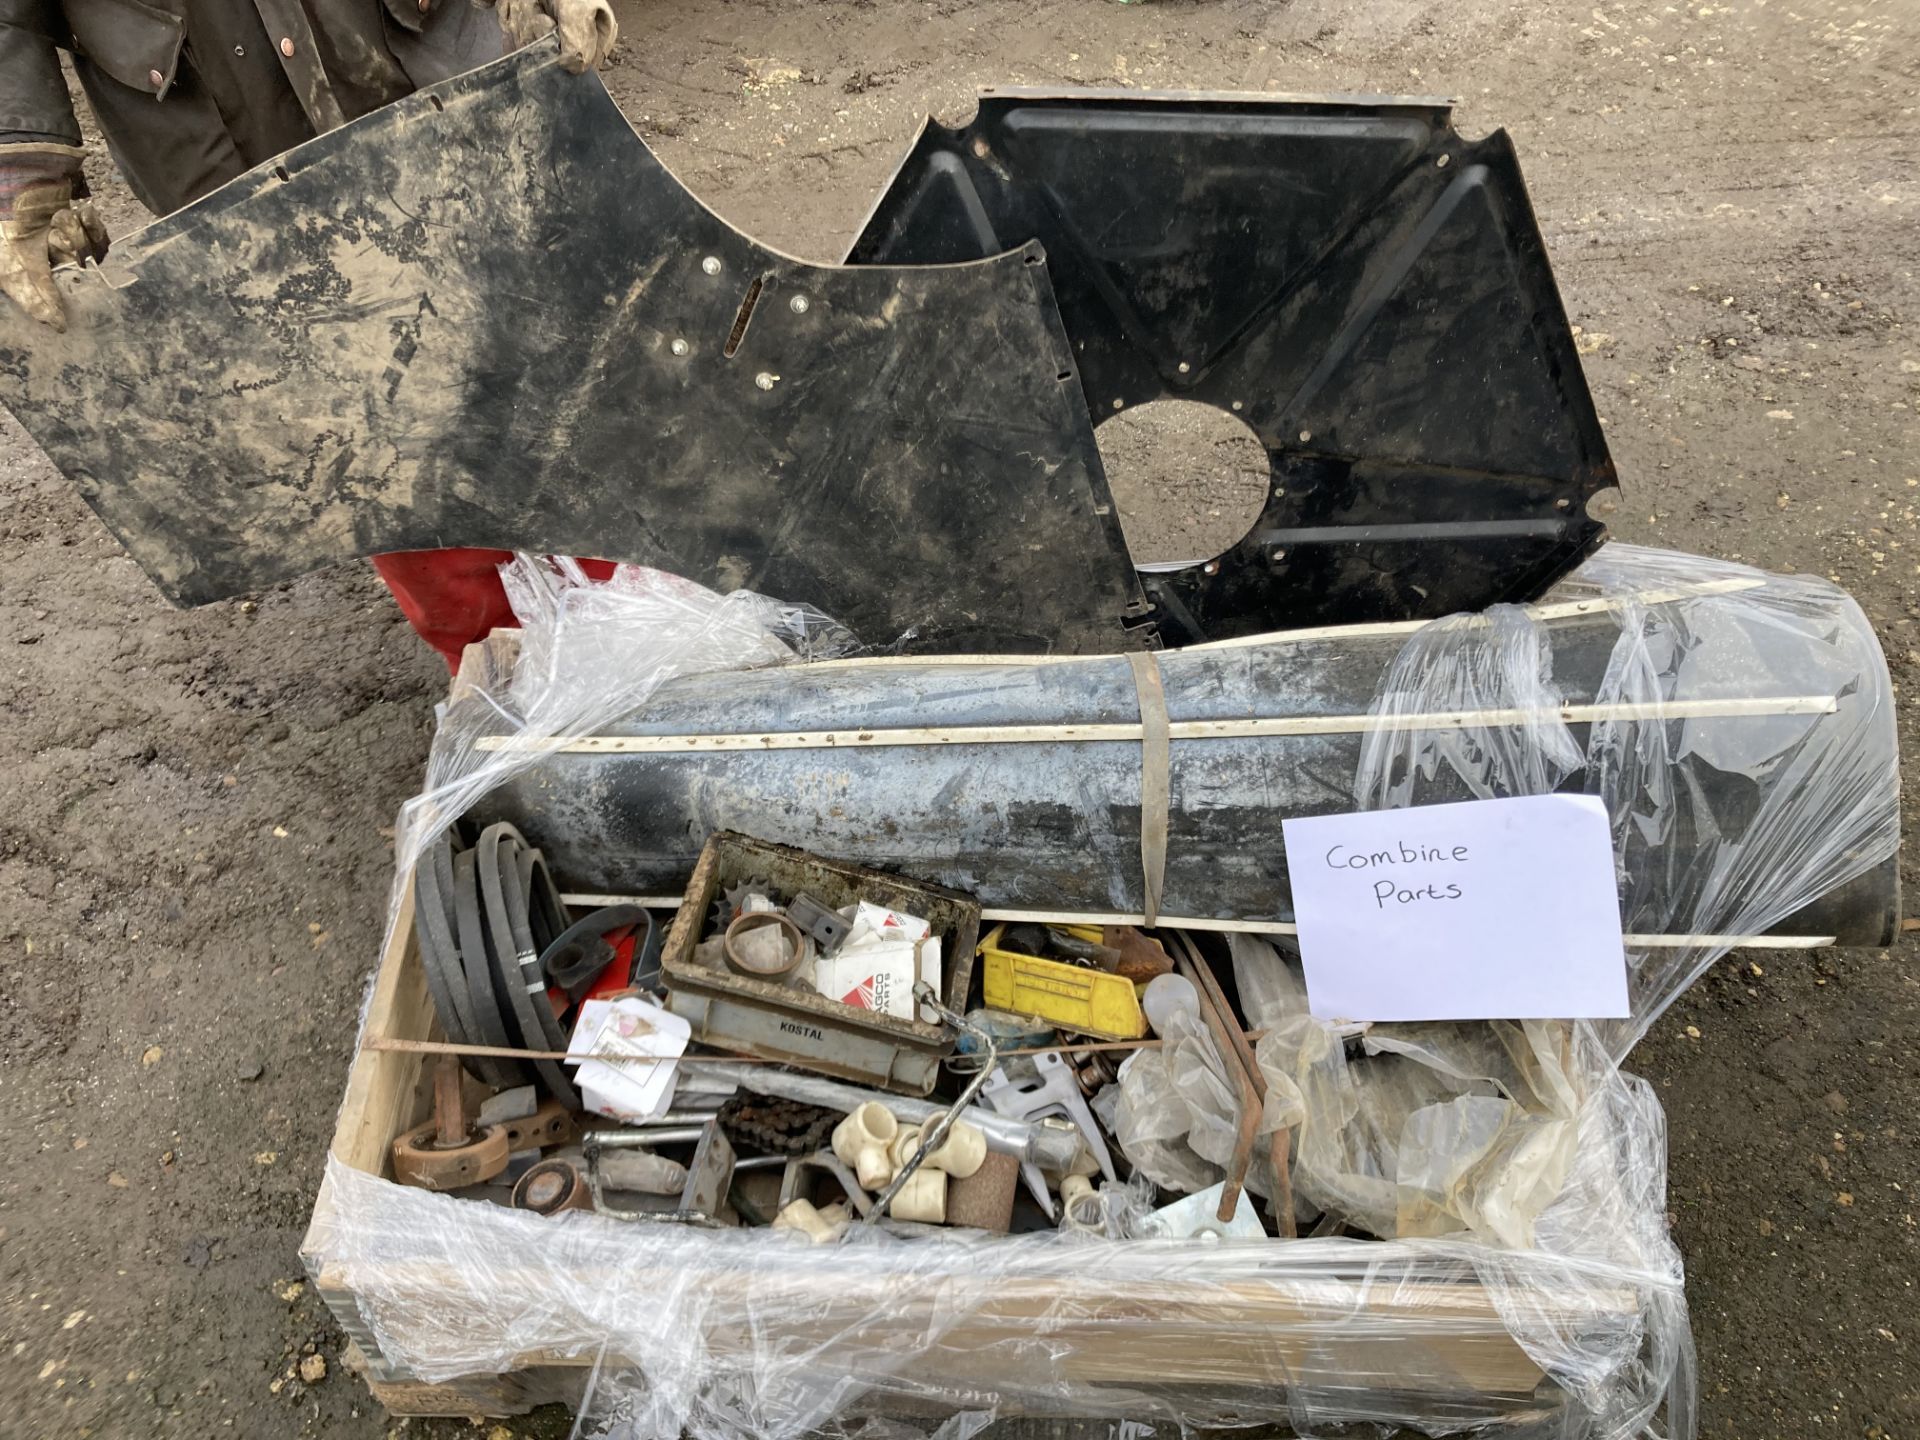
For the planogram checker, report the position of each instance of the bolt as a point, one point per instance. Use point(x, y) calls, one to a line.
point(678, 346)
point(1118, 404)
point(1185, 367)
point(981, 148)
point(711, 264)
point(765, 380)
point(447, 1112)
point(1238, 406)
point(1305, 435)
point(1563, 503)
point(1212, 567)
point(798, 304)
point(1442, 162)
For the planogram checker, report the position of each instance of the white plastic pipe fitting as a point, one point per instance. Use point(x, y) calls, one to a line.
point(1082, 1208)
point(922, 1198)
point(903, 1146)
point(862, 1142)
point(819, 1226)
point(964, 1152)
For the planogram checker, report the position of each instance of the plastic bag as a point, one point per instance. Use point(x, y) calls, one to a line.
point(1818, 806)
point(590, 652)
point(1527, 1279)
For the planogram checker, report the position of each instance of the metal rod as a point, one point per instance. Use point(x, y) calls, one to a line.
point(1280, 1142)
point(396, 1046)
point(641, 1139)
point(1190, 963)
point(671, 1119)
point(1043, 1145)
point(448, 1113)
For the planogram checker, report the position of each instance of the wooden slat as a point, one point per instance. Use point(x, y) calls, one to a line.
point(486, 666)
point(1415, 1337)
point(492, 1397)
point(383, 1086)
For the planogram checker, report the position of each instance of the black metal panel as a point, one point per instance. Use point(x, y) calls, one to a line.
point(489, 316)
point(1365, 289)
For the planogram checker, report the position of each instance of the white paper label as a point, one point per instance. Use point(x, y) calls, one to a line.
point(1482, 910)
point(622, 1089)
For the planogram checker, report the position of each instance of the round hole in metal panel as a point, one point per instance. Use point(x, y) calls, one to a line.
point(1190, 479)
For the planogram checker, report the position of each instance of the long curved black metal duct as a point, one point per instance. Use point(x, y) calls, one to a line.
point(1755, 747)
point(1363, 287)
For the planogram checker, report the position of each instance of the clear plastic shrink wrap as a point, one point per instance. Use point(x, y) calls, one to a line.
point(1513, 1174)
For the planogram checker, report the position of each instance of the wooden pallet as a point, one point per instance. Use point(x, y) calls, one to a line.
point(1435, 1343)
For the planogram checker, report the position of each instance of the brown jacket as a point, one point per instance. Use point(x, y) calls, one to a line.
point(191, 93)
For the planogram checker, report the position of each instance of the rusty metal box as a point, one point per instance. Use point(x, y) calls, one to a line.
point(793, 1022)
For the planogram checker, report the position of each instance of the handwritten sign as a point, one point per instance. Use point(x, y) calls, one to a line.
point(1483, 910)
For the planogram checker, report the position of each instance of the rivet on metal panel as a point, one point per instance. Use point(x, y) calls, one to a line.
point(1305, 436)
point(677, 346)
point(1212, 567)
point(286, 46)
point(798, 304)
point(157, 79)
point(1443, 162)
point(1238, 406)
point(1185, 367)
point(765, 380)
point(1119, 404)
point(711, 264)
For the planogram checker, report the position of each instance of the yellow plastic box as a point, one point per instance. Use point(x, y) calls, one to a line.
point(1087, 1002)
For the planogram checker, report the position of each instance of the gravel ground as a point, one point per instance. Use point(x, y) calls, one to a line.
point(194, 854)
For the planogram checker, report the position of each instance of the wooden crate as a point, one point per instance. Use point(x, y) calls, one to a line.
point(1437, 1344)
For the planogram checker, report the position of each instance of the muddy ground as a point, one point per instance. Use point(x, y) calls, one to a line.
point(194, 844)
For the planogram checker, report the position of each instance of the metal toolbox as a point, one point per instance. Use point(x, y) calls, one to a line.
point(793, 1022)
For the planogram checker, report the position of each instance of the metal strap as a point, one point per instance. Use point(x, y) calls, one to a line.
point(1154, 780)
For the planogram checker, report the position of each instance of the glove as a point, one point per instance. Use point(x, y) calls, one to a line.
point(587, 28)
point(44, 222)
